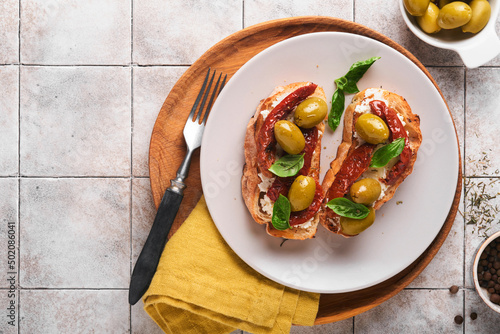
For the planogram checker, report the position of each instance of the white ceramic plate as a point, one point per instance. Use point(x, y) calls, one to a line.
point(405, 226)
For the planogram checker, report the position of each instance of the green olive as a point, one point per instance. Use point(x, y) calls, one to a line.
point(310, 112)
point(289, 137)
point(454, 15)
point(481, 12)
point(365, 191)
point(428, 21)
point(301, 193)
point(352, 226)
point(372, 129)
point(416, 7)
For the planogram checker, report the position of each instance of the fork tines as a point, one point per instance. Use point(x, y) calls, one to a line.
point(204, 92)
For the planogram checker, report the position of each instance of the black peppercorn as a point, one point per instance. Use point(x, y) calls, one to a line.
point(495, 298)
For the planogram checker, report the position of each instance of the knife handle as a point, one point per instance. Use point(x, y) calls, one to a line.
point(146, 264)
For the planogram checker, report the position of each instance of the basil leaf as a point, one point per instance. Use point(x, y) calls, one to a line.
point(338, 104)
point(346, 208)
point(356, 72)
point(384, 154)
point(287, 165)
point(341, 82)
point(281, 213)
point(347, 85)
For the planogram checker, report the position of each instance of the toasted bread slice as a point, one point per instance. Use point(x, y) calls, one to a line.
point(256, 181)
point(350, 141)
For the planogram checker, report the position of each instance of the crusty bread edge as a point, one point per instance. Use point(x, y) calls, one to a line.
point(250, 179)
point(349, 142)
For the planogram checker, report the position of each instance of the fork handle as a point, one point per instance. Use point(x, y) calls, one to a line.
point(177, 185)
point(147, 261)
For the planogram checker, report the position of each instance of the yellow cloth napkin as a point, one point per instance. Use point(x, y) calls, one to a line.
point(202, 286)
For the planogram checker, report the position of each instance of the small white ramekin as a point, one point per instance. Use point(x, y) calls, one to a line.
point(474, 49)
point(480, 290)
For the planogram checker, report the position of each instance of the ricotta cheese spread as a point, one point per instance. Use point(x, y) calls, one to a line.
point(264, 113)
point(266, 205)
point(305, 225)
point(264, 185)
point(371, 94)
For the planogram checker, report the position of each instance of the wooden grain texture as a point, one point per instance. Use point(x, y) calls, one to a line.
point(167, 147)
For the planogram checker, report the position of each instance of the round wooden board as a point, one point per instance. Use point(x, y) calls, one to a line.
point(167, 147)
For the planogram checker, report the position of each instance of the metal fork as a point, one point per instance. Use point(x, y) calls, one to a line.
point(147, 262)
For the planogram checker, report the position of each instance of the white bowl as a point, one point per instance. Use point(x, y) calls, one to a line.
point(474, 49)
point(480, 290)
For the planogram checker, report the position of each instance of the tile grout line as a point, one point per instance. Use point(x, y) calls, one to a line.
point(70, 289)
point(76, 65)
point(180, 64)
point(354, 10)
point(464, 267)
point(19, 170)
point(77, 177)
point(242, 14)
point(463, 308)
point(131, 151)
point(100, 65)
point(126, 288)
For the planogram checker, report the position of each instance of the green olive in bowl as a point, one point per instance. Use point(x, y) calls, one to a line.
point(454, 15)
point(351, 226)
point(310, 112)
point(481, 12)
point(301, 193)
point(372, 129)
point(289, 136)
point(365, 191)
point(416, 7)
point(428, 21)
